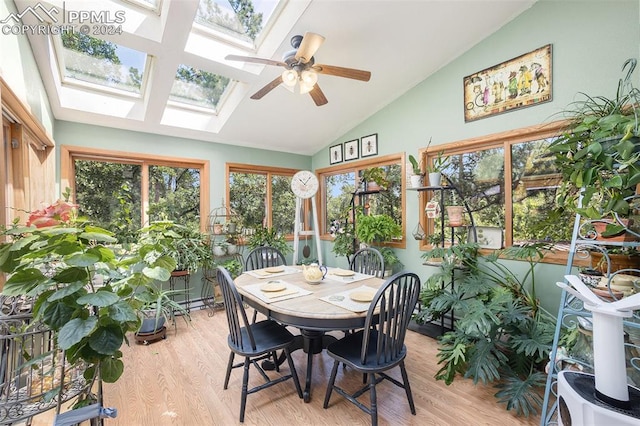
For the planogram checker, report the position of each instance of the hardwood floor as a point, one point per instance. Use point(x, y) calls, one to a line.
point(178, 381)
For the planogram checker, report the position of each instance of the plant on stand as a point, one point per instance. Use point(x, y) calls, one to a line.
point(502, 335)
point(417, 179)
point(375, 178)
point(377, 230)
point(598, 155)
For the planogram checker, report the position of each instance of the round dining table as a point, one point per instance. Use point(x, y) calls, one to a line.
point(304, 309)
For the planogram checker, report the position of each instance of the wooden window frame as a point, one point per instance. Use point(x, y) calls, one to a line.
point(356, 166)
point(268, 171)
point(502, 140)
point(69, 154)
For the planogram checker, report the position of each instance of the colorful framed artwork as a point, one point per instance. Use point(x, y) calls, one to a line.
point(335, 154)
point(351, 151)
point(517, 83)
point(369, 145)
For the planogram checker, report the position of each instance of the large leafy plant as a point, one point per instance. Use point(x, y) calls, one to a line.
point(502, 335)
point(598, 154)
point(89, 290)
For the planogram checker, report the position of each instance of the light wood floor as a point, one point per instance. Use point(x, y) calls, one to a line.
point(178, 381)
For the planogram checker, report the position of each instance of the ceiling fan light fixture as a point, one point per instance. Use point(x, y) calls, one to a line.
point(289, 78)
point(309, 78)
point(305, 88)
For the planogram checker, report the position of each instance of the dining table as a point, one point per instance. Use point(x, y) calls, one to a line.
point(338, 302)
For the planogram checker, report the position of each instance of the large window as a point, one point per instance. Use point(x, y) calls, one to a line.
point(338, 184)
point(124, 191)
point(508, 181)
point(262, 197)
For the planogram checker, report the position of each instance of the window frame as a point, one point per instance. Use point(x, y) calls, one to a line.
point(356, 167)
point(268, 171)
point(68, 155)
point(504, 140)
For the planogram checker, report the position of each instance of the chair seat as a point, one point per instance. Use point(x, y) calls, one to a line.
point(349, 349)
point(268, 336)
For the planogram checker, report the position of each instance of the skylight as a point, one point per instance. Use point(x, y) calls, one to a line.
point(104, 63)
point(241, 20)
point(196, 87)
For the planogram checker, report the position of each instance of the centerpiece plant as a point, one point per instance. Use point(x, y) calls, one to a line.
point(502, 335)
point(83, 285)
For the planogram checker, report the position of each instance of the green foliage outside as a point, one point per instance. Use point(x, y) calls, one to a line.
point(245, 20)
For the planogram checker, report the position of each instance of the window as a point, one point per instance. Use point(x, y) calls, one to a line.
point(338, 184)
point(262, 197)
point(508, 182)
point(124, 191)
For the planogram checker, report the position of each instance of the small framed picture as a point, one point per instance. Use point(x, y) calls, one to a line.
point(351, 151)
point(369, 145)
point(335, 154)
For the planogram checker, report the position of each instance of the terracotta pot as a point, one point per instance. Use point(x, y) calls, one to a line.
point(455, 215)
point(618, 262)
point(600, 227)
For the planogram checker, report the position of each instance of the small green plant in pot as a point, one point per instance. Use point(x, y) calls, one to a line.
point(377, 176)
point(418, 174)
point(598, 154)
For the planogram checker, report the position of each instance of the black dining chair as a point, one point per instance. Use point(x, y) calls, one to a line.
point(254, 342)
point(368, 261)
point(264, 257)
point(380, 345)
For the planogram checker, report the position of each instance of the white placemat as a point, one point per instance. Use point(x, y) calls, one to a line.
point(334, 275)
point(262, 273)
point(290, 291)
point(343, 300)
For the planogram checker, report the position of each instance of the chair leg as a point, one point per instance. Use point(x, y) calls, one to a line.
point(407, 388)
point(229, 367)
point(294, 373)
point(255, 316)
point(245, 382)
point(373, 399)
point(332, 380)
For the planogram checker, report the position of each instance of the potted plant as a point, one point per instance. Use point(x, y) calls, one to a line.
point(232, 244)
point(598, 154)
point(265, 236)
point(343, 238)
point(418, 174)
point(377, 229)
point(434, 169)
point(502, 334)
point(375, 178)
point(56, 259)
point(187, 246)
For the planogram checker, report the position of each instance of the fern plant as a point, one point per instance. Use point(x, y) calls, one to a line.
point(502, 335)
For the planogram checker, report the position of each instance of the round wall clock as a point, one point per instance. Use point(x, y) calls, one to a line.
point(304, 184)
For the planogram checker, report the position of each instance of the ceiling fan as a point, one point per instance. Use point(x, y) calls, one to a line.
point(300, 68)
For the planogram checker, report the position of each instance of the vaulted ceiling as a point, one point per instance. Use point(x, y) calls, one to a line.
point(400, 42)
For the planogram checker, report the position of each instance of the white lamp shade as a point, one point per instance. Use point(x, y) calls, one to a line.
point(309, 78)
point(289, 78)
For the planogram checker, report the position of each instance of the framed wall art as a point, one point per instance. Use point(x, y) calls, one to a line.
point(335, 154)
point(517, 83)
point(369, 145)
point(351, 151)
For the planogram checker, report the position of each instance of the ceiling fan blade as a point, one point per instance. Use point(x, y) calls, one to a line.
point(318, 96)
point(255, 60)
point(342, 72)
point(266, 89)
point(310, 44)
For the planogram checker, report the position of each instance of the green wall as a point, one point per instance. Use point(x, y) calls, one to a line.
point(590, 42)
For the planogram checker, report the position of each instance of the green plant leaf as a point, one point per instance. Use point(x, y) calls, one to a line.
point(157, 273)
point(57, 314)
point(82, 260)
point(122, 312)
point(22, 282)
point(99, 298)
point(98, 236)
point(70, 275)
point(106, 339)
point(65, 291)
point(75, 330)
point(520, 395)
point(111, 369)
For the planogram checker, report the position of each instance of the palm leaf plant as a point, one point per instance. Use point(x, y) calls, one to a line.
point(502, 335)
